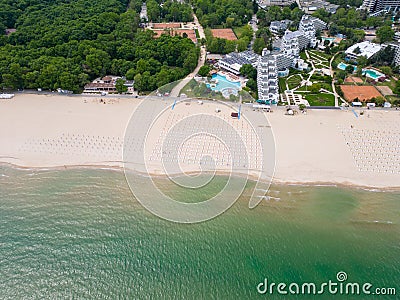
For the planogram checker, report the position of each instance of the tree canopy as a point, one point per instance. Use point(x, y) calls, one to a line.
point(223, 12)
point(65, 44)
point(385, 34)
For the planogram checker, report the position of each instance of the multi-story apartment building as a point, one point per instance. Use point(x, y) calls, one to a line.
point(277, 27)
point(294, 42)
point(267, 78)
point(378, 5)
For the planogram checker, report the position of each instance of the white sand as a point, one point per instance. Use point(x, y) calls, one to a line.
point(35, 130)
point(317, 147)
point(54, 131)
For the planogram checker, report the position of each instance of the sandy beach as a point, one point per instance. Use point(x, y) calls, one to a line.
point(323, 146)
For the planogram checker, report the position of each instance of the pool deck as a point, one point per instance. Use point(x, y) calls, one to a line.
point(229, 76)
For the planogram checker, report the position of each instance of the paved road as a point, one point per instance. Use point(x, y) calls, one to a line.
point(337, 97)
point(253, 24)
point(176, 90)
point(199, 27)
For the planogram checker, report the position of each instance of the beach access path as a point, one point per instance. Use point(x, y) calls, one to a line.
point(202, 58)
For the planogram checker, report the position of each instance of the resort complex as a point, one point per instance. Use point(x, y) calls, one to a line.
point(271, 63)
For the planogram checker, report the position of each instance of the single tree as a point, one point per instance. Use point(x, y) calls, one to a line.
point(204, 70)
point(120, 86)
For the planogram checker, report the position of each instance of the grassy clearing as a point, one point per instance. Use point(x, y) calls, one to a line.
point(315, 87)
point(294, 81)
point(303, 55)
point(321, 54)
point(320, 99)
point(197, 33)
point(321, 66)
point(282, 84)
point(238, 31)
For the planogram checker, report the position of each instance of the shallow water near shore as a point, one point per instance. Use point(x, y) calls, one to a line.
point(81, 234)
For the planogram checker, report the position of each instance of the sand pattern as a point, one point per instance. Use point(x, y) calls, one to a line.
point(374, 150)
point(206, 136)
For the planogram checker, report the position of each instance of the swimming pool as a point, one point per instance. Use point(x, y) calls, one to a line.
point(342, 66)
point(372, 73)
point(327, 38)
point(366, 72)
point(220, 83)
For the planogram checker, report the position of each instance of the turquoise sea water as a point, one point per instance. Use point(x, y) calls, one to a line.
point(79, 234)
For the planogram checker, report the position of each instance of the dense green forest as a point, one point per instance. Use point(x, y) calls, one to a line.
point(170, 11)
point(66, 43)
point(212, 13)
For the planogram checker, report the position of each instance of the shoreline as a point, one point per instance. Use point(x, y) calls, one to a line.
point(275, 181)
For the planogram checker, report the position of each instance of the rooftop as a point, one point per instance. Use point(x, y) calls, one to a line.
point(366, 48)
point(292, 34)
point(241, 58)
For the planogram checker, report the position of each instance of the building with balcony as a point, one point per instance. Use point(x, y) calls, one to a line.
point(378, 5)
point(232, 62)
point(267, 79)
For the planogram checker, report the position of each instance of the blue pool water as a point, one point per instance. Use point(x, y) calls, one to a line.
point(223, 83)
point(367, 72)
point(342, 66)
point(372, 73)
point(328, 38)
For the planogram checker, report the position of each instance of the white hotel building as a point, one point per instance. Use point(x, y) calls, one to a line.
point(269, 64)
point(267, 78)
point(378, 5)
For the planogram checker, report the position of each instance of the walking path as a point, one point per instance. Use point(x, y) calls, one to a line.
point(202, 58)
point(337, 96)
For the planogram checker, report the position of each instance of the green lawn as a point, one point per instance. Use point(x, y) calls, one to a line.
point(325, 66)
point(238, 31)
point(303, 55)
point(303, 88)
point(322, 54)
point(294, 81)
point(282, 84)
point(320, 99)
point(323, 85)
point(197, 33)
